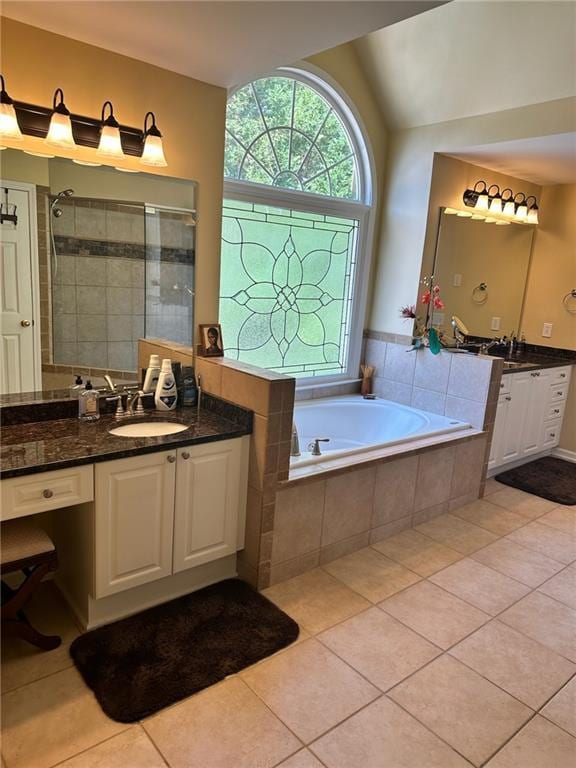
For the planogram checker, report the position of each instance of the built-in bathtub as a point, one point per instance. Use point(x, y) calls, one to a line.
point(356, 425)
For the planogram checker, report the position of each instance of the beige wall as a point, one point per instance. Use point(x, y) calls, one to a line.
point(190, 114)
point(553, 270)
point(409, 167)
point(343, 65)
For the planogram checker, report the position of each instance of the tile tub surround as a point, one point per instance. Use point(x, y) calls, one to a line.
point(321, 518)
point(457, 385)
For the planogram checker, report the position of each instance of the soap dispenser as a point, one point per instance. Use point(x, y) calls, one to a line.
point(166, 394)
point(88, 405)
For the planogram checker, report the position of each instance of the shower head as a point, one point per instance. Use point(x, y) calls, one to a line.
point(57, 212)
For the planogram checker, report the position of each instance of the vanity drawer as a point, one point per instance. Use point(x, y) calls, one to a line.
point(558, 392)
point(31, 494)
point(560, 375)
point(552, 434)
point(554, 411)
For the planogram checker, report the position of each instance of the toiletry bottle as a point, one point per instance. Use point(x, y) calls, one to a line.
point(166, 394)
point(152, 374)
point(88, 405)
point(190, 391)
point(77, 387)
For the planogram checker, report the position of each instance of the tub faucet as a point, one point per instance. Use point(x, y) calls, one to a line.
point(314, 446)
point(295, 447)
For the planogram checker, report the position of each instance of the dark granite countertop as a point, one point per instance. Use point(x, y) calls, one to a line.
point(42, 446)
point(532, 362)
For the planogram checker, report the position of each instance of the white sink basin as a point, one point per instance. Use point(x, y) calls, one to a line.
point(148, 429)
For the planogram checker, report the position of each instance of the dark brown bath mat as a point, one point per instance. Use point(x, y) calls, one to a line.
point(550, 478)
point(145, 662)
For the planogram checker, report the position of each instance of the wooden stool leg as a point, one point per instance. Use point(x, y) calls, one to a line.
point(24, 630)
point(14, 621)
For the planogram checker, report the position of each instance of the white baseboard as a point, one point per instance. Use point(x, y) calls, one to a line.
point(564, 453)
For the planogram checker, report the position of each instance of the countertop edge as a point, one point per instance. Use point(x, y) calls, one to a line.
point(122, 453)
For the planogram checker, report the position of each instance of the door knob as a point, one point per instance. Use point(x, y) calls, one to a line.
point(185, 455)
point(47, 493)
point(25, 323)
point(171, 459)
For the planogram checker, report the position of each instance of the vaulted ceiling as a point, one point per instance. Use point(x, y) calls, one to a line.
point(472, 58)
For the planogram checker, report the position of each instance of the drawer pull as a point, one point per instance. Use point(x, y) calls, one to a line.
point(556, 410)
point(501, 385)
point(560, 393)
point(562, 375)
point(552, 434)
point(508, 397)
point(47, 493)
point(185, 455)
point(171, 459)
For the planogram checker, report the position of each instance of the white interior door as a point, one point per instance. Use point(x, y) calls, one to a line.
point(19, 336)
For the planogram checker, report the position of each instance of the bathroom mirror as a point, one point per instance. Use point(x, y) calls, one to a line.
point(481, 270)
point(112, 259)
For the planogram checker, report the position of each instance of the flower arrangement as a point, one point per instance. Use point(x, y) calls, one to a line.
point(424, 332)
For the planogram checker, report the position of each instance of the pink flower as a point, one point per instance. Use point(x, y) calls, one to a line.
point(438, 303)
point(408, 312)
point(426, 296)
point(436, 289)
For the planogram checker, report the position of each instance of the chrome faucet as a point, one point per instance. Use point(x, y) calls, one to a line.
point(314, 446)
point(109, 383)
point(295, 447)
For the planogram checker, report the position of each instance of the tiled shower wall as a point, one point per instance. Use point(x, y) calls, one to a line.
point(117, 281)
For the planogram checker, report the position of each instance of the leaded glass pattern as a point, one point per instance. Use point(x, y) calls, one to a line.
point(286, 288)
point(283, 133)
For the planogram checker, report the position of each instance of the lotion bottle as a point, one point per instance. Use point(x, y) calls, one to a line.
point(152, 374)
point(166, 395)
point(88, 406)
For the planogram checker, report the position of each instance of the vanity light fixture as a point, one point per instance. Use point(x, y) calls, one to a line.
point(509, 206)
point(9, 127)
point(153, 153)
point(502, 208)
point(495, 200)
point(110, 144)
point(60, 130)
point(532, 217)
point(521, 207)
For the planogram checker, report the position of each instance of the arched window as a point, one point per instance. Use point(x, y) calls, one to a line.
point(295, 220)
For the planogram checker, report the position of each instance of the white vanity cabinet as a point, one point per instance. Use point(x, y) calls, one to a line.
point(133, 521)
point(162, 513)
point(529, 414)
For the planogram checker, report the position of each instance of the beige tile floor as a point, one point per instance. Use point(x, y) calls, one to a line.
point(449, 645)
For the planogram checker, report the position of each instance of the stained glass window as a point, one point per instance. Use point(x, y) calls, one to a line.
point(290, 260)
point(283, 133)
point(286, 288)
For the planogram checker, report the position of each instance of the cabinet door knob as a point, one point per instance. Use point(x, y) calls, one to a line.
point(508, 397)
point(556, 410)
point(559, 394)
point(47, 493)
point(25, 323)
point(502, 385)
point(171, 459)
point(562, 375)
point(185, 455)
point(552, 434)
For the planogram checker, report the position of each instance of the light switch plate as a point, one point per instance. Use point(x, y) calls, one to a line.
point(457, 281)
point(547, 330)
point(495, 324)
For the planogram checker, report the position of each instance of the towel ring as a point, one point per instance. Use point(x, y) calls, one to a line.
point(570, 296)
point(480, 294)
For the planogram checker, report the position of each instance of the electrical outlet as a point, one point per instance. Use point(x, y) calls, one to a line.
point(547, 330)
point(457, 281)
point(495, 324)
